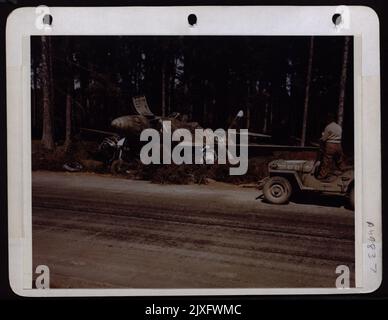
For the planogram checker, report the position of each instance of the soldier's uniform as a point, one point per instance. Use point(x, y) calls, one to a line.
point(332, 150)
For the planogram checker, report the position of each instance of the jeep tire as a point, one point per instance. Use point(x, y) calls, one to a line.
point(277, 190)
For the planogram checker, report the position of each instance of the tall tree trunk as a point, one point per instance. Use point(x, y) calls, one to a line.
point(341, 101)
point(248, 103)
point(68, 118)
point(265, 125)
point(170, 84)
point(47, 135)
point(164, 87)
point(169, 90)
point(34, 103)
point(307, 92)
point(51, 77)
point(266, 96)
point(248, 116)
point(70, 127)
point(205, 119)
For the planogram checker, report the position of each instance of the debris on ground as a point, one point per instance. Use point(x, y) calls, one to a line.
point(73, 166)
point(83, 156)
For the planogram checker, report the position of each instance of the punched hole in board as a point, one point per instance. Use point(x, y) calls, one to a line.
point(337, 19)
point(192, 19)
point(48, 19)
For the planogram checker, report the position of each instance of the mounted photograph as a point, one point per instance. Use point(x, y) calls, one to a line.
point(161, 152)
point(136, 146)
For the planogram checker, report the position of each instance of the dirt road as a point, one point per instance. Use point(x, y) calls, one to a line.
point(100, 231)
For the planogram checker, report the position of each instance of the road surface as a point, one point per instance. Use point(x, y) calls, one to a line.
point(99, 231)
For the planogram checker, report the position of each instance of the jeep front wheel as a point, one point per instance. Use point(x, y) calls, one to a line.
point(277, 190)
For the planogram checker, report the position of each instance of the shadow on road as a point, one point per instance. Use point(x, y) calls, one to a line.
point(317, 199)
point(320, 200)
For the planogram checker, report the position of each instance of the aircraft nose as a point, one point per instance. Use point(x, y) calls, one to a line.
point(115, 123)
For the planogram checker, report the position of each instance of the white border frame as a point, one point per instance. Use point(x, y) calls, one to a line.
point(362, 23)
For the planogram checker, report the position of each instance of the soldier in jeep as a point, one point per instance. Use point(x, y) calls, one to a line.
point(332, 154)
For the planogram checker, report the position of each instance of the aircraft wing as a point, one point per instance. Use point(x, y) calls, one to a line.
point(101, 132)
point(260, 135)
point(257, 135)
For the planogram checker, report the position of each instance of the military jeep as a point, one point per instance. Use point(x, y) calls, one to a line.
point(287, 177)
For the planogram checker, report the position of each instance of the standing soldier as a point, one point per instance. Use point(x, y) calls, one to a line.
point(332, 153)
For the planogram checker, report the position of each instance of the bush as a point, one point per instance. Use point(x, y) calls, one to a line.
point(79, 151)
